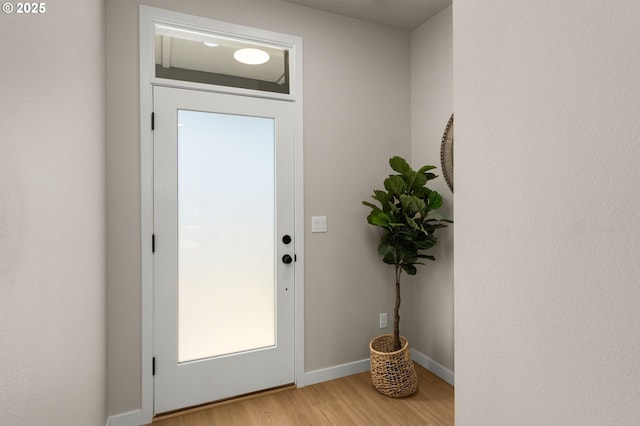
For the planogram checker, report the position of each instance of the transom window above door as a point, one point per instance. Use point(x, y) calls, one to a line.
point(202, 57)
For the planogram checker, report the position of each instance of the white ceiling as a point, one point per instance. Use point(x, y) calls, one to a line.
point(404, 14)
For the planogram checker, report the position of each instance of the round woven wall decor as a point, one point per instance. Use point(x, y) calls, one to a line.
point(446, 153)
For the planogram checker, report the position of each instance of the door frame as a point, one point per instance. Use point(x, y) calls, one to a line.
point(148, 17)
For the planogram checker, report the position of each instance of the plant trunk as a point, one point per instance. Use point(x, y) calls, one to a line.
point(396, 312)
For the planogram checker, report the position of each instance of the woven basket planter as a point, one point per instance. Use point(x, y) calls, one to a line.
point(392, 372)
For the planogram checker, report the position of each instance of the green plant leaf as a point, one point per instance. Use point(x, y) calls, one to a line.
point(399, 164)
point(368, 204)
point(419, 181)
point(426, 256)
point(409, 177)
point(379, 218)
point(392, 208)
point(385, 247)
point(433, 226)
point(422, 207)
point(395, 184)
point(412, 223)
point(381, 196)
point(426, 168)
point(409, 268)
point(389, 259)
point(397, 224)
point(409, 204)
point(435, 200)
point(422, 192)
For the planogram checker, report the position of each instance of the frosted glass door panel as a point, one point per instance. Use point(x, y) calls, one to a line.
point(226, 234)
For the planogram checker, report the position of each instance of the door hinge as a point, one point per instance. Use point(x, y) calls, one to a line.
point(153, 366)
point(153, 121)
point(153, 243)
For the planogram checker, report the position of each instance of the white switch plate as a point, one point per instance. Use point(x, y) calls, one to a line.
point(318, 224)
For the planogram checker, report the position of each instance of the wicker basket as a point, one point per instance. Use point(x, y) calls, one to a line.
point(392, 373)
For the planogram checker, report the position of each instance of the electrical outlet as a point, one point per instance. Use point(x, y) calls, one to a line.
point(383, 320)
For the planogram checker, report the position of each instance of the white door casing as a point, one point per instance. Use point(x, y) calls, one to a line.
point(148, 18)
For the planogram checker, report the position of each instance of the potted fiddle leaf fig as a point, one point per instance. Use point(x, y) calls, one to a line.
point(406, 212)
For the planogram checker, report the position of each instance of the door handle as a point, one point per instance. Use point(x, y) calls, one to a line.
point(287, 259)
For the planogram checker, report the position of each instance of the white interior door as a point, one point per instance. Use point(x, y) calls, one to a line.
point(224, 249)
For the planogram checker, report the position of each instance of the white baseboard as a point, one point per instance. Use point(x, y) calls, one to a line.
point(132, 418)
point(336, 372)
point(437, 369)
point(343, 370)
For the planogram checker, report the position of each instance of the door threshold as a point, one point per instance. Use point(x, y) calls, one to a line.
point(213, 404)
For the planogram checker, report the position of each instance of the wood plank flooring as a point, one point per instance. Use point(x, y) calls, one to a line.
point(347, 401)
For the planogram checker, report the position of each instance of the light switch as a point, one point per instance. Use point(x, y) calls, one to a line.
point(318, 224)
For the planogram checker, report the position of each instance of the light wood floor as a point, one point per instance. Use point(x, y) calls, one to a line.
point(347, 401)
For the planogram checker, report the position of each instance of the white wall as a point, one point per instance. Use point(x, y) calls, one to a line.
point(356, 116)
point(52, 216)
point(547, 237)
point(430, 294)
